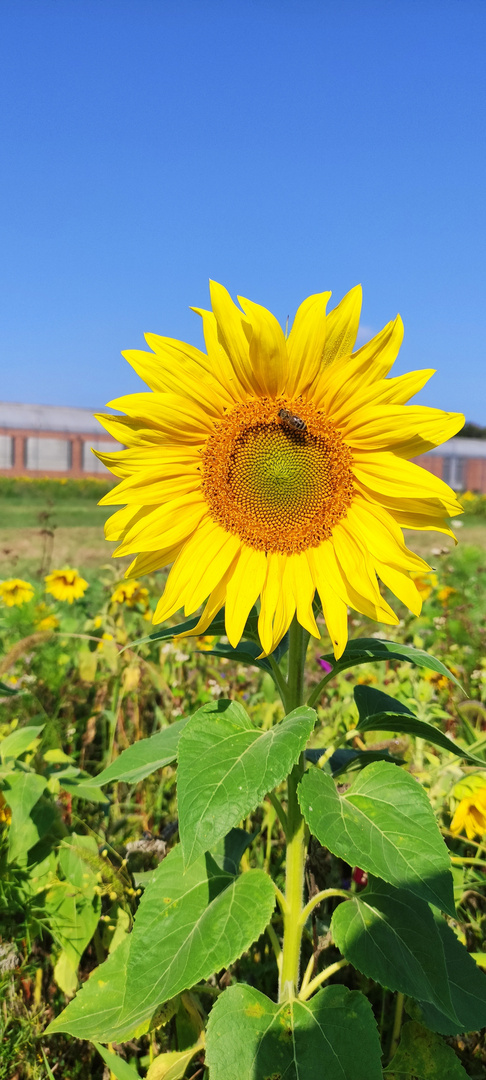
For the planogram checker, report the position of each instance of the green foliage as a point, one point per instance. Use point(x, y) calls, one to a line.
point(333, 1035)
point(384, 823)
point(226, 767)
point(423, 1056)
point(155, 729)
point(189, 924)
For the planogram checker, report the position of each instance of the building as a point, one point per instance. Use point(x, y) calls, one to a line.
point(54, 440)
point(51, 440)
point(460, 462)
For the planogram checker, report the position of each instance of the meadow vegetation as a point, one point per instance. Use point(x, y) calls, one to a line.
point(81, 681)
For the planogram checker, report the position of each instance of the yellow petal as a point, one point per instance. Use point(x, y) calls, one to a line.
point(243, 590)
point(219, 362)
point(170, 481)
point(305, 343)
point(174, 415)
point(303, 588)
point(396, 427)
point(150, 561)
point(170, 370)
point(117, 525)
point(334, 609)
point(268, 350)
point(376, 358)
point(342, 326)
point(381, 536)
point(398, 480)
point(170, 523)
point(401, 585)
point(359, 576)
point(232, 333)
point(271, 591)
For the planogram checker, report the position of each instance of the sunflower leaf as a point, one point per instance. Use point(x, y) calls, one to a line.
point(249, 652)
point(380, 712)
point(216, 627)
point(369, 650)
point(144, 757)
point(468, 989)
point(391, 936)
point(345, 759)
point(385, 825)
point(188, 926)
point(251, 1036)
point(226, 766)
point(422, 1055)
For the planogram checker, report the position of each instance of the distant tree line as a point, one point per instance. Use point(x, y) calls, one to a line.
point(472, 431)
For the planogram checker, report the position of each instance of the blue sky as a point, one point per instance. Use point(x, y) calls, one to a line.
point(282, 147)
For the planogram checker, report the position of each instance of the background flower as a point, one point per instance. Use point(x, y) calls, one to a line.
point(66, 584)
point(15, 592)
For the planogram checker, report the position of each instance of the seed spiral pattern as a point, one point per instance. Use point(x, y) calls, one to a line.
point(278, 489)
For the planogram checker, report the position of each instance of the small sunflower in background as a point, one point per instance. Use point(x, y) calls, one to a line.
point(130, 593)
point(16, 592)
point(66, 584)
point(470, 814)
point(272, 467)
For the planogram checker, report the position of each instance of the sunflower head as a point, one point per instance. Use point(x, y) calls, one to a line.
point(66, 584)
point(269, 468)
point(14, 592)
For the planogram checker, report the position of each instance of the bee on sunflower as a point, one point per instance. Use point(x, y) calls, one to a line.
point(248, 506)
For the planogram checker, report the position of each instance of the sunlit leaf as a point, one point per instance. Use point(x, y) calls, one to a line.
point(422, 1055)
point(384, 824)
point(333, 1035)
point(226, 766)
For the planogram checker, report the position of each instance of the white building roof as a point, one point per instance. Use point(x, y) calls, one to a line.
point(48, 418)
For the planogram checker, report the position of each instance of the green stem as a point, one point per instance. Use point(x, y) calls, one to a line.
point(279, 810)
point(295, 832)
point(314, 984)
point(397, 1024)
point(325, 894)
point(279, 681)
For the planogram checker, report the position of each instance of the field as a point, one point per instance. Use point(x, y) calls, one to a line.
point(72, 672)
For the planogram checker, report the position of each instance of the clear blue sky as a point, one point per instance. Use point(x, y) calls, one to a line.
point(282, 147)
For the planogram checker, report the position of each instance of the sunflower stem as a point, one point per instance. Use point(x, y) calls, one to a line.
point(296, 832)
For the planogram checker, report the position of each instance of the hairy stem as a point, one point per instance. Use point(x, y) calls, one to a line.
point(295, 832)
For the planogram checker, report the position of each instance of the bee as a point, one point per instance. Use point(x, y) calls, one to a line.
point(291, 421)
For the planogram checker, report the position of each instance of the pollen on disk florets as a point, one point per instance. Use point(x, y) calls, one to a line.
point(277, 488)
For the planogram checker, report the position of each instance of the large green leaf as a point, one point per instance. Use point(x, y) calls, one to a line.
point(117, 1066)
point(72, 916)
point(144, 757)
point(468, 989)
point(167, 632)
point(380, 712)
point(333, 1035)
point(15, 744)
point(369, 650)
point(30, 821)
point(345, 759)
point(226, 766)
point(390, 936)
point(249, 652)
point(188, 926)
point(384, 824)
point(422, 1055)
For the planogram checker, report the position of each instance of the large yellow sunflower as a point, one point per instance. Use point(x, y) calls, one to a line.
point(272, 467)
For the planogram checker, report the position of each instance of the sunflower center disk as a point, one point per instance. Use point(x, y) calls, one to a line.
point(278, 488)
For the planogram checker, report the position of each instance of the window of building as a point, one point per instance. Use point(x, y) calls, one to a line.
point(93, 464)
point(6, 451)
point(49, 455)
point(454, 472)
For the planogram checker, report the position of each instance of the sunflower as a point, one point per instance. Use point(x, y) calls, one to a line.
point(130, 593)
point(16, 592)
point(470, 815)
point(269, 468)
point(65, 584)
